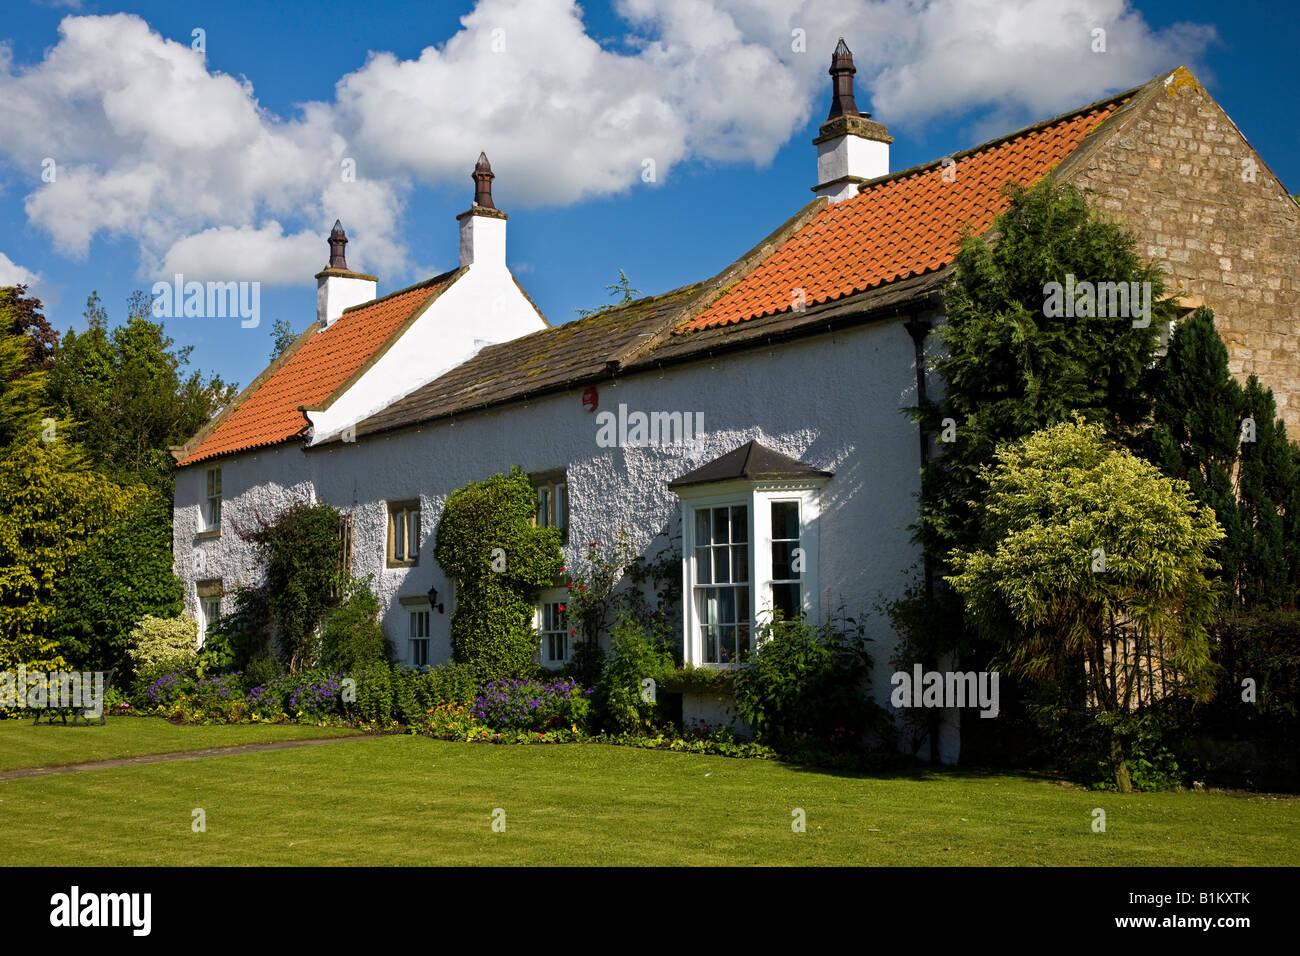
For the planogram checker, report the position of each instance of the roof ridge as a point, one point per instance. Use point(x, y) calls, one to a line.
point(410, 288)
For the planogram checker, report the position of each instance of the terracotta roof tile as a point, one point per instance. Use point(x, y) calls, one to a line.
point(270, 414)
point(904, 225)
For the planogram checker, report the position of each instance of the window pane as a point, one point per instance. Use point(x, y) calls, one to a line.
point(742, 604)
point(701, 528)
point(561, 506)
point(543, 507)
point(788, 599)
point(742, 643)
point(413, 523)
point(710, 643)
point(785, 519)
point(782, 560)
point(727, 645)
point(740, 523)
point(720, 532)
point(399, 535)
point(740, 564)
point(726, 605)
point(721, 565)
point(703, 567)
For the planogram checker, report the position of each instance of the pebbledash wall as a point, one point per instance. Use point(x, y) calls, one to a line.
point(1206, 208)
point(834, 400)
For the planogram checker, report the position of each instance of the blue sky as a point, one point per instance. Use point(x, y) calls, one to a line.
point(225, 164)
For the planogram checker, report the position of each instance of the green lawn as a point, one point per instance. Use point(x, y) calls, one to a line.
point(411, 800)
point(24, 745)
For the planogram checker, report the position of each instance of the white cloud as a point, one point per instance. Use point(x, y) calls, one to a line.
point(154, 147)
point(13, 274)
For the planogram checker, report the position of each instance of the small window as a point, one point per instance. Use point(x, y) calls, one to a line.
point(403, 534)
point(419, 638)
point(552, 501)
point(212, 508)
point(553, 625)
point(209, 595)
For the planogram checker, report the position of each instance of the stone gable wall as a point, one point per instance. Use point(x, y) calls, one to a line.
point(1173, 174)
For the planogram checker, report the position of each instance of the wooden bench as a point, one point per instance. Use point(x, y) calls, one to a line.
point(78, 713)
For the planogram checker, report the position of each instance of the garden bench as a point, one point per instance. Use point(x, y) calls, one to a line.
point(78, 713)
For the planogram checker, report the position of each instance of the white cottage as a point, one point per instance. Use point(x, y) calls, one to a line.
point(789, 372)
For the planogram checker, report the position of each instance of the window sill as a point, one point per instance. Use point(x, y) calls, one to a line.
point(208, 535)
point(390, 564)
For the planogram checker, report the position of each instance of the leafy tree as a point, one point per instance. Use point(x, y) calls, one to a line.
point(1009, 368)
point(1232, 450)
point(1269, 493)
point(122, 576)
point(487, 544)
point(51, 508)
point(125, 390)
point(282, 336)
point(1059, 501)
point(24, 316)
point(22, 408)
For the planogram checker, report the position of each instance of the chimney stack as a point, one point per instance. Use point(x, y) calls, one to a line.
point(483, 225)
point(851, 147)
point(337, 286)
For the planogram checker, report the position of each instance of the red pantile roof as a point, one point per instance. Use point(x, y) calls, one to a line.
point(903, 225)
point(270, 412)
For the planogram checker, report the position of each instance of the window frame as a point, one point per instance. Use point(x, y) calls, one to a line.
point(556, 485)
point(545, 597)
point(405, 509)
point(758, 497)
point(205, 591)
point(416, 612)
point(211, 503)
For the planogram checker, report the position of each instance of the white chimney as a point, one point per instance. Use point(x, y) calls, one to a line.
point(851, 147)
point(483, 225)
point(338, 287)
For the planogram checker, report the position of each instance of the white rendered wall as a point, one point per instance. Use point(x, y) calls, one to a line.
point(835, 401)
point(336, 293)
point(851, 156)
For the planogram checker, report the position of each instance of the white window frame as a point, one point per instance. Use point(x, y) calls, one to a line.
point(414, 613)
point(758, 498)
point(555, 512)
point(211, 508)
point(553, 596)
point(213, 595)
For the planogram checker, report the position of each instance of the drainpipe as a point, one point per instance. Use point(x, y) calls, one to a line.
point(919, 328)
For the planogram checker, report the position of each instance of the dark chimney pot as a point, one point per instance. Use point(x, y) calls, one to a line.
point(842, 71)
point(483, 177)
point(337, 241)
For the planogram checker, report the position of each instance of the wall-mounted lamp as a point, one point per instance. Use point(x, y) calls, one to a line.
point(433, 600)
